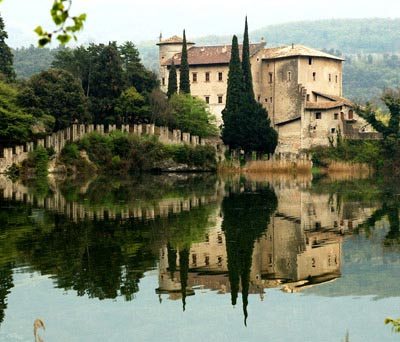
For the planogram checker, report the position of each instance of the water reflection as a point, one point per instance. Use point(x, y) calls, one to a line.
point(240, 236)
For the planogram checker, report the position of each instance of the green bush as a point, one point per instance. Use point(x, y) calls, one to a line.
point(120, 152)
point(38, 160)
point(357, 151)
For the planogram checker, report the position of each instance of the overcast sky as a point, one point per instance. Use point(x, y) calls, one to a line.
point(143, 20)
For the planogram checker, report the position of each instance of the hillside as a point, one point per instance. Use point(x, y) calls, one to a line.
point(356, 39)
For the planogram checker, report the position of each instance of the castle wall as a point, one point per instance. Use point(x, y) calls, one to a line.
point(289, 137)
point(281, 94)
point(322, 67)
point(57, 141)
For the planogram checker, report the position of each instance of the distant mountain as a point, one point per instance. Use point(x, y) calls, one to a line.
point(369, 45)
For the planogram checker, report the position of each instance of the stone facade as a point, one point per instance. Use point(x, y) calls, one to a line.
point(293, 83)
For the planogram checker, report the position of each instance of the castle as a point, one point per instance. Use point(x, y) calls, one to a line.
point(300, 87)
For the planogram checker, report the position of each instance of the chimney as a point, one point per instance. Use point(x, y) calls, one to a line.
point(292, 45)
point(160, 37)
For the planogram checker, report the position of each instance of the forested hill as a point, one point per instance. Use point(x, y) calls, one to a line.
point(348, 35)
point(370, 46)
point(374, 35)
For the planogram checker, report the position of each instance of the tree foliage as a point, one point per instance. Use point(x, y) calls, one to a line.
point(67, 25)
point(6, 56)
point(391, 99)
point(55, 93)
point(184, 81)
point(246, 123)
point(131, 107)
point(172, 81)
point(105, 72)
point(15, 122)
point(192, 115)
point(246, 66)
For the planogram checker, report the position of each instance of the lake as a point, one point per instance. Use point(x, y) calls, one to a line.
point(181, 257)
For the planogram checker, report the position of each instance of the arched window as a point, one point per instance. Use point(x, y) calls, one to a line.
point(350, 114)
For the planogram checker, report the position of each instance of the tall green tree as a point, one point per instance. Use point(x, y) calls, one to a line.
point(246, 123)
point(55, 93)
point(184, 82)
point(106, 83)
point(6, 56)
point(172, 81)
point(233, 98)
point(246, 65)
point(135, 74)
point(15, 122)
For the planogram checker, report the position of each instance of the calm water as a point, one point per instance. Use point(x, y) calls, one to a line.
point(199, 257)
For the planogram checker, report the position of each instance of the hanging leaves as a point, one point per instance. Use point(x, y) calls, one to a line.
point(67, 25)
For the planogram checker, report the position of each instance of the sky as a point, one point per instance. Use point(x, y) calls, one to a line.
point(143, 20)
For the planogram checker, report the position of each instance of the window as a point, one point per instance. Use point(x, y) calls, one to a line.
point(330, 78)
point(308, 97)
point(309, 60)
point(194, 259)
point(219, 260)
point(336, 78)
point(220, 98)
point(314, 76)
point(270, 99)
point(163, 81)
point(350, 114)
point(270, 77)
point(207, 260)
point(207, 77)
point(266, 99)
point(333, 130)
point(194, 77)
point(220, 77)
point(219, 238)
point(289, 76)
point(318, 115)
point(207, 98)
point(259, 98)
point(336, 116)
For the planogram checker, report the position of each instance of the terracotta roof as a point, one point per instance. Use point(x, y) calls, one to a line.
point(220, 54)
point(284, 122)
point(324, 105)
point(347, 102)
point(333, 101)
point(296, 50)
point(172, 40)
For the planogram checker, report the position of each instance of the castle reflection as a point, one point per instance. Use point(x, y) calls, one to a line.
point(300, 246)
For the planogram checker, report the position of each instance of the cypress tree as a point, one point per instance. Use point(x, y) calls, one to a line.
point(6, 56)
point(246, 122)
point(172, 81)
point(246, 66)
point(233, 98)
point(184, 82)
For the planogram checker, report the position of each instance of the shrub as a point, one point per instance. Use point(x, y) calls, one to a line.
point(38, 160)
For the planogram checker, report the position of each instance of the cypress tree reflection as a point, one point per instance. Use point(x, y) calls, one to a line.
point(171, 259)
point(183, 270)
point(6, 283)
point(246, 217)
